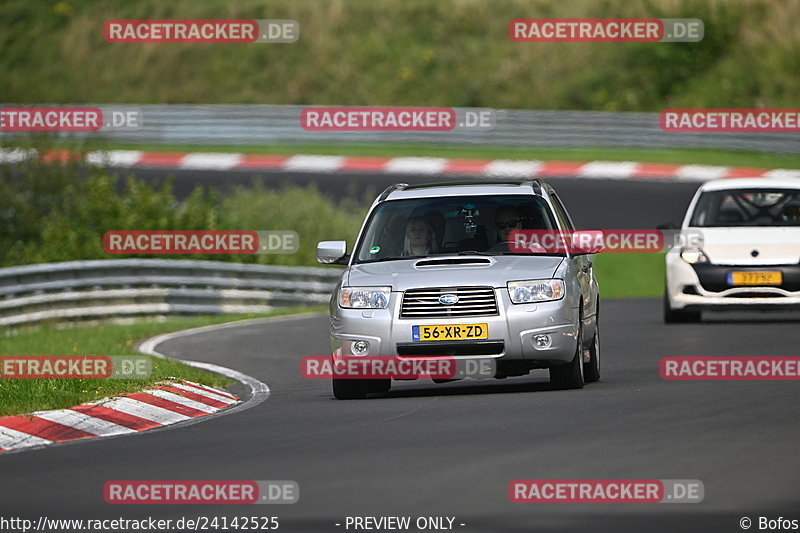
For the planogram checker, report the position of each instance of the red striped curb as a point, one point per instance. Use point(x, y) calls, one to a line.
point(164, 404)
point(431, 166)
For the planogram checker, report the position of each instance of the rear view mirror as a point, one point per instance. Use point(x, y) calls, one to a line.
point(587, 242)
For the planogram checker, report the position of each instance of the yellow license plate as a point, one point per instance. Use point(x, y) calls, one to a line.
point(755, 278)
point(455, 332)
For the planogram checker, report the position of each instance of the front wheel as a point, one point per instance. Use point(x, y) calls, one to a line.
point(591, 370)
point(570, 375)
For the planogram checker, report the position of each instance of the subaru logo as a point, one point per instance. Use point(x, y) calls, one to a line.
point(448, 299)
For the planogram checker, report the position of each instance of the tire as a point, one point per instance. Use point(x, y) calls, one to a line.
point(379, 385)
point(350, 389)
point(678, 316)
point(570, 375)
point(591, 370)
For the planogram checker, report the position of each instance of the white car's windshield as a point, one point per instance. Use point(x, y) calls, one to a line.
point(450, 225)
point(747, 207)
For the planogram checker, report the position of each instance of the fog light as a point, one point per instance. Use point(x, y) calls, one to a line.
point(360, 348)
point(542, 340)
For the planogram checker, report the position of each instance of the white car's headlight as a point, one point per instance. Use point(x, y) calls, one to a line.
point(537, 290)
point(364, 297)
point(694, 256)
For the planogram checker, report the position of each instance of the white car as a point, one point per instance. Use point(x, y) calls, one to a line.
point(750, 252)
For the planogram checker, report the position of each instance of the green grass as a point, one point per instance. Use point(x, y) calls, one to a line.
point(19, 396)
point(630, 275)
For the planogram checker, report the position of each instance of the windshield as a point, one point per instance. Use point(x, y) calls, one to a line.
point(400, 229)
point(747, 207)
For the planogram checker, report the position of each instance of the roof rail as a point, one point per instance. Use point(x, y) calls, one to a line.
point(390, 189)
point(535, 184)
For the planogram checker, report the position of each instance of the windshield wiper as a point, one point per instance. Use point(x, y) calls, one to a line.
point(472, 252)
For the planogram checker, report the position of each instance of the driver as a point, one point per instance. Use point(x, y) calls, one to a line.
point(507, 219)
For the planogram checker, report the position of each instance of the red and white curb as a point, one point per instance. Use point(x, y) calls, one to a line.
point(429, 166)
point(166, 403)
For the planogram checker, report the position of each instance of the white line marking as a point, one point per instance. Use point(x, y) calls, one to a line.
point(415, 165)
point(209, 395)
point(144, 410)
point(782, 173)
point(177, 398)
point(84, 422)
point(11, 439)
point(700, 172)
point(505, 168)
point(114, 158)
point(211, 161)
point(15, 155)
point(314, 163)
point(608, 169)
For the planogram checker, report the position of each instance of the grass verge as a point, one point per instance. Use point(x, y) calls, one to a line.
point(19, 396)
point(630, 275)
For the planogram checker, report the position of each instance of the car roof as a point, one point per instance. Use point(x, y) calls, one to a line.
point(402, 191)
point(751, 183)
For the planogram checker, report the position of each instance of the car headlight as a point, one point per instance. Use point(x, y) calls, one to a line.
point(694, 256)
point(537, 290)
point(364, 297)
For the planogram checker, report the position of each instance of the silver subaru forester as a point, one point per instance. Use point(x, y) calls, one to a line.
point(433, 274)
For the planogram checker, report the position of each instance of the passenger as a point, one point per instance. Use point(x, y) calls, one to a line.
point(419, 239)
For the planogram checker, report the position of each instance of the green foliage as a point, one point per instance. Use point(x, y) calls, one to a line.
point(405, 52)
point(60, 212)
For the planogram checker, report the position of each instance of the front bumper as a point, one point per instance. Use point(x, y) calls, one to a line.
point(510, 332)
point(704, 287)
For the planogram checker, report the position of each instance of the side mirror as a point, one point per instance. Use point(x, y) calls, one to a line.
point(587, 242)
point(667, 226)
point(332, 252)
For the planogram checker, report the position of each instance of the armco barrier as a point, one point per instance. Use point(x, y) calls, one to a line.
point(123, 287)
point(271, 124)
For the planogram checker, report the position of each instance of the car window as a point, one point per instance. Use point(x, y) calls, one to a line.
point(448, 225)
point(747, 207)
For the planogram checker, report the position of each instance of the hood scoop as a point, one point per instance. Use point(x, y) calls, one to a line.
point(453, 261)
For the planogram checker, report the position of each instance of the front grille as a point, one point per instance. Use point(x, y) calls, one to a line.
point(472, 301)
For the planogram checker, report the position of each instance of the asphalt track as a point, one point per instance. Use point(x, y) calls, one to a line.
point(452, 449)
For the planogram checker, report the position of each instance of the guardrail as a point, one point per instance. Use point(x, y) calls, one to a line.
point(270, 125)
point(124, 287)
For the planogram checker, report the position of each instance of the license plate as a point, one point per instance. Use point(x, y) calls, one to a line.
point(455, 332)
point(755, 278)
